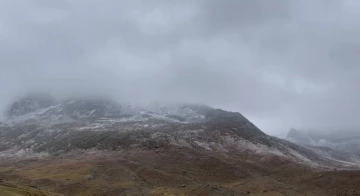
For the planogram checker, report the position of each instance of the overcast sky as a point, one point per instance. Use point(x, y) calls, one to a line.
point(282, 63)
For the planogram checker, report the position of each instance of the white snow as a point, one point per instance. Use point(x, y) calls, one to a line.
point(301, 158)
point(180, 143)
point(124, 119)
point(203, 145)
point(71, 102)
point(243, 145)
point(91, 127)
point(22, 153)
point(92, 112)
point(157, 135)
point(32, 115)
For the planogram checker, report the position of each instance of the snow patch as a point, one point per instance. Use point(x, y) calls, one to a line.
point(91, 127)
point(22, 153)
point(180, 142)
point(243, 145)
point(203, 145)
point(32, 115)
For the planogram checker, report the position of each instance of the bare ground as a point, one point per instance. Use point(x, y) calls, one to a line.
point(176, 171)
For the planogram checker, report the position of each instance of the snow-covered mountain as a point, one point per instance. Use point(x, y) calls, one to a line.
point(40, 125)
point(39, 108)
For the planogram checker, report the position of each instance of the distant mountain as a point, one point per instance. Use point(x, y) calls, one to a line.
point(297, 136)
point(343, 141)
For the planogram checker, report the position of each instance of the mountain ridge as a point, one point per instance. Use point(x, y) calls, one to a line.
point(100, 147)
point(89, 118)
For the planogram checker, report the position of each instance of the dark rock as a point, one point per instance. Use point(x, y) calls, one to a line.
point(34, 186)
point(88, 177)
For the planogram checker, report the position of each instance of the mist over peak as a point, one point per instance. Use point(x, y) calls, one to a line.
point(46, 109)
point(266, 61)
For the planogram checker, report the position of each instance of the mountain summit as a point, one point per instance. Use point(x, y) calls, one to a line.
point(30, 103)
point(42, 108)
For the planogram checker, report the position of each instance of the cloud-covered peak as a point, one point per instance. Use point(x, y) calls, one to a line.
point(282, 63)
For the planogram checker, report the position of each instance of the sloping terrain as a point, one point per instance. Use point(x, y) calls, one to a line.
point(99, 147)
point(177, 171)
point(226, 133)
point(16, 190)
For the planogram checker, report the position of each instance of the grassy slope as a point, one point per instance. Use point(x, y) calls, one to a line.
point(175, 172)
point(12, 190)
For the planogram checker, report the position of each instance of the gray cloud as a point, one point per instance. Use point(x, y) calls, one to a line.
point(282, 63)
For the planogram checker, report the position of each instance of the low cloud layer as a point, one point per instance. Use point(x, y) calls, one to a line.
point(282, 63)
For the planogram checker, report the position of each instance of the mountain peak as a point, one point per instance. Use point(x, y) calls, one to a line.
point(42, 108)
point(294, 133)
point(298, 137)
point(30, 103)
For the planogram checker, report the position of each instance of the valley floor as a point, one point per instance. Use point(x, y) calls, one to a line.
point(167, 172)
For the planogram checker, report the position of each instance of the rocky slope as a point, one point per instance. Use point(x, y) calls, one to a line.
point(42, 125)
point(99, 147)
